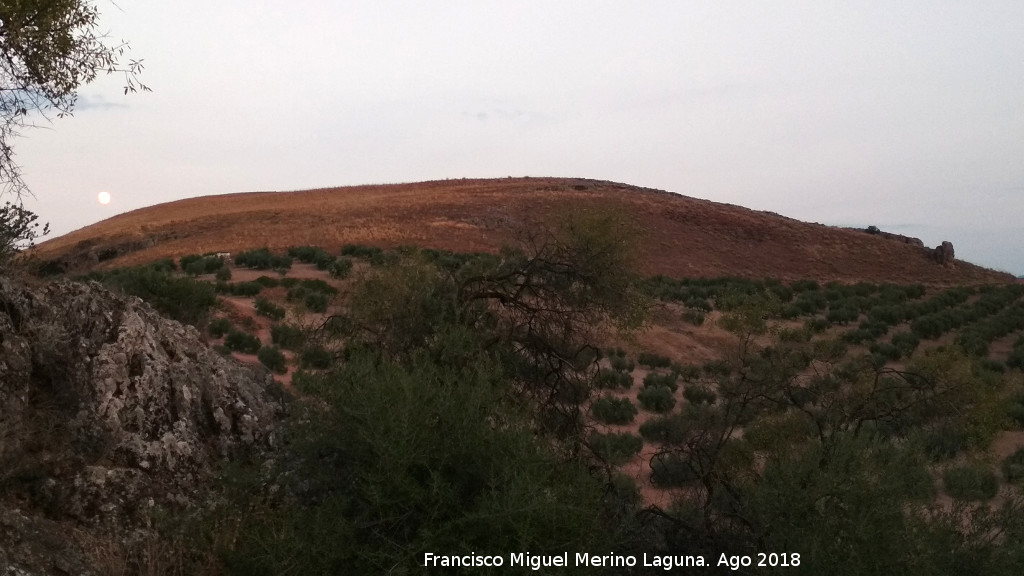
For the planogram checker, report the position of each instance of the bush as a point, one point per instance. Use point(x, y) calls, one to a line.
point(971, 482)
point(944, 443)
point(183, 299)
point(287, 336)
point(268, 282)
point(219, 327)
point(361, 252)
point(694, 317)
point(717, 368)
point(687, 372)
point(905, 343)
point(316, 357)
point(613, 410)
point(340, 268)
point(247, 289)
point(242, 342)
point(1013, 467)
point(664, 429)
point(817, 325)
point(666, 380)
point(621, 363)
point(272, 358)
point(670, 470)
point(263, 259)
point(653, 360)
point(223, 274)
point(316, 302)
point(606, 378)
point(699, 395)
point(657, 399)
point(267, 308)
point(615, 448)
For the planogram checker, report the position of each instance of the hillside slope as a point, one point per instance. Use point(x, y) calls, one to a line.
point(685, 237)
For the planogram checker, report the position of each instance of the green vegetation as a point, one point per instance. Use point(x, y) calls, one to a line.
point(272, 358)
point(287, 336)
point(665, 380)
point(653, 360)
point(612, 379)
point(1013, 467)
point(699, 395)
point(263, 259)
point(971, 482)
point(247, 289)
point(657, 399)
point(615, 448)
point(219, 327)
point(195, 264)
point(183, 299)
point(316, 357)
point(267, 308)
point(611, 410)
point(243, 342)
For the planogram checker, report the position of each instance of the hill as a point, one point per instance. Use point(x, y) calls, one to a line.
point(685, 237)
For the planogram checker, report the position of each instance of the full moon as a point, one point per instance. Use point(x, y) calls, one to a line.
point(103, 197)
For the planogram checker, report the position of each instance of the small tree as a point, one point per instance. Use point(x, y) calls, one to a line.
point(18, 231)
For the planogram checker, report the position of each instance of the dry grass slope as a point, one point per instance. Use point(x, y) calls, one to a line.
point(685, 237)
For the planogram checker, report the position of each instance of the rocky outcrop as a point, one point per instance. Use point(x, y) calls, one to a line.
point(873, 230)
point(943, 253)
point(110, 411)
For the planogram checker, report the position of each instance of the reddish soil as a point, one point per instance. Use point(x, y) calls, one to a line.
point(684, 236)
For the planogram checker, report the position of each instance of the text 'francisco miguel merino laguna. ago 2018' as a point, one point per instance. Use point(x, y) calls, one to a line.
point(580, 559)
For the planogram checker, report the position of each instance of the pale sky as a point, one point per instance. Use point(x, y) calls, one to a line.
point(906, 115)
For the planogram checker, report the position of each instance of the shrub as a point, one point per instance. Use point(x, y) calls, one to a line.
point(905, 343)
point(687, 372)
point(267, 308)
point(287, 336)
point(316, 357)
point(272, 358)
point(694, 317)
point(219, 327)
point(268, 281)
point(606, 378)
point(657, 399)
point(944, 443)
point(340, 268)
point(183, 299)
point(247, 289)
point(613, 410)
point(653, 360)
point(621, 363)
point(263, 259)
point(1013, 467)
point(657, 379)
point(316, 302)
point(670, 470)
point(817, 325)
point(664, 429)
point(242, 342)
point(223, 274)
point(615, 448)
point(717, 368)
point(360, 251)
point(971, 482)
point(699, 395)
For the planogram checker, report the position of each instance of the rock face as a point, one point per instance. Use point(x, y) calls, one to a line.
point(109, 411)
point(897, 237)
point(943, 253)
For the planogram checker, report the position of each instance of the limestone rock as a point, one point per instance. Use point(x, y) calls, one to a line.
point(109, 409)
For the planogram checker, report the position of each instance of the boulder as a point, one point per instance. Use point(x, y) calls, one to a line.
point(943, 253)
